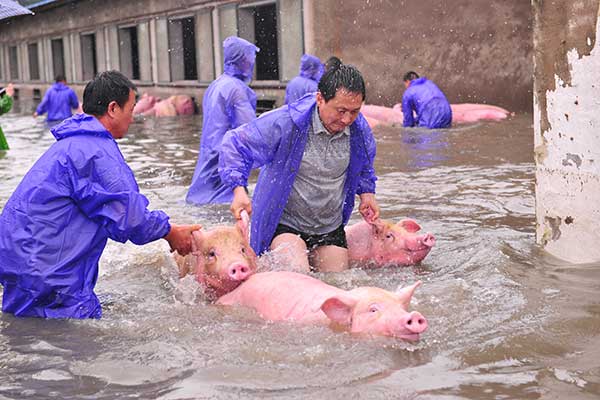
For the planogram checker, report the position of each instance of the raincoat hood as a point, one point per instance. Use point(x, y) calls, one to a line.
point(239, 56)
point(60, 86)
point(80, 124)
point(311, 67)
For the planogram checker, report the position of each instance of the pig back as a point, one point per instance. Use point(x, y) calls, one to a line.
point(283, 295)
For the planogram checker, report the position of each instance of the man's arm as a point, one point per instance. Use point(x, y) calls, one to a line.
point(368, 207)
point(407, 110)
point(43, 106)
point(73, 101)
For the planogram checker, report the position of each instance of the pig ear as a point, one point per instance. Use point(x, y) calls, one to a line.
point(410, 225)
point(197, 238)
point(339, 309)
point(243, 224)
point(406, 294)
point(379, 227)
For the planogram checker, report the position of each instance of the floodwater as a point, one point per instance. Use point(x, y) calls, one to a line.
point(507, 321)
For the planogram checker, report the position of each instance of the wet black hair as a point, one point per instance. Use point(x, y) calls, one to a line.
point(60, 78)
point(332, 62)
point(105, 88)
point(346, 77)
point(410, 75)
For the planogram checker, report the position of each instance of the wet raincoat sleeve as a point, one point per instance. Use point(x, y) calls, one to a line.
point(407, 109)
point(42, 108)
point(241, 108)
point(250, 146)
point(366, 182)
point(6, 103)
point(109, 195)
point(73, 100)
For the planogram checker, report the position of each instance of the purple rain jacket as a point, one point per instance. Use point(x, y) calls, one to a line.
point(227, 104)
point(429, 103)
point(311, 70)
point(275, 141)
point(55, 225)
point(58, 101)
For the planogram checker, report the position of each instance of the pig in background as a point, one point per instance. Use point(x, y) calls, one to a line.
point(461, 113)
point(384, 243)
point(148, 105)
point(299, 298)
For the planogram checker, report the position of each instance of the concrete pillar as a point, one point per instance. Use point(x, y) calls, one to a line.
point(567, 128)
point(308, 22)
point(100, 50)
point(291, 44)
point(143, 34)
point(162, 50)
point(204, 46)
point(2, 71)
point(68, 58)
point(112, 46)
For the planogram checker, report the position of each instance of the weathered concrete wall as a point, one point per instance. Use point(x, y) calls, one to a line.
point(566, 125)
point(476, 51)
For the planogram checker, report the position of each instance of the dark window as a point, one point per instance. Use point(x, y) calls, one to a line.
point(128, 52)
point(182, 49)
point(265, 28)
point(259, 25)
point(13, 60)
point(34, 63)
point(88, 56)
point(58, 58)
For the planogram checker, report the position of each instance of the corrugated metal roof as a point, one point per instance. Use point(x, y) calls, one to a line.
point(35, 3)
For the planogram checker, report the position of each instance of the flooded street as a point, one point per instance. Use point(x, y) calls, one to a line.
point(506, 321)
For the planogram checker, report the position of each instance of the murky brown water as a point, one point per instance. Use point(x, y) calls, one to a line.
point(506, 320)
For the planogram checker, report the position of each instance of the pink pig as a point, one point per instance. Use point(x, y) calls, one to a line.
point(221, 258)
point(184, 105)
point(384, 242)
point(290, 296)
point(144, 104)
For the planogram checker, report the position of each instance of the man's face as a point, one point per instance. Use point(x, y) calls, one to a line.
point(122, 116)
point(340, 111)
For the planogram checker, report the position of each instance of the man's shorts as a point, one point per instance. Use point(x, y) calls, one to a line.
point(335, 238)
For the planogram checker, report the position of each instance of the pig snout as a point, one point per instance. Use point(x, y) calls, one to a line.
point(428, 240)
point(239, 272)
point(413, 323)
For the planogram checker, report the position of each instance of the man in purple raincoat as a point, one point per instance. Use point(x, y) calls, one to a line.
point(316, 155)
point(427, 101)
point(58, 101)
point(228, 103)
point(77, 195)
point(311, 70)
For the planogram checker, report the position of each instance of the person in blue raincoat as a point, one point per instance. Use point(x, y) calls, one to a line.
point(316, 155)
point(58, 101)
point(227, 103)
point(311, 70)
point(427, 101)
point(77, 195)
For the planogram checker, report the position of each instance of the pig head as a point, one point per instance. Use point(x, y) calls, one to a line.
point(221, 258)
point(290, 296)
point(383, 242)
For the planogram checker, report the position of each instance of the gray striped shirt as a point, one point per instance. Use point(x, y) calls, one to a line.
point(316, 200)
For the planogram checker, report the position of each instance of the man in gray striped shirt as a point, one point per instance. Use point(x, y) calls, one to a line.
point(316, 155)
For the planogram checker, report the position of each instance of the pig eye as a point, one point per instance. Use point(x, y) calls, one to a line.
point(389, 236)
point(243, 250)
point(212, 253)
point(373, 308)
